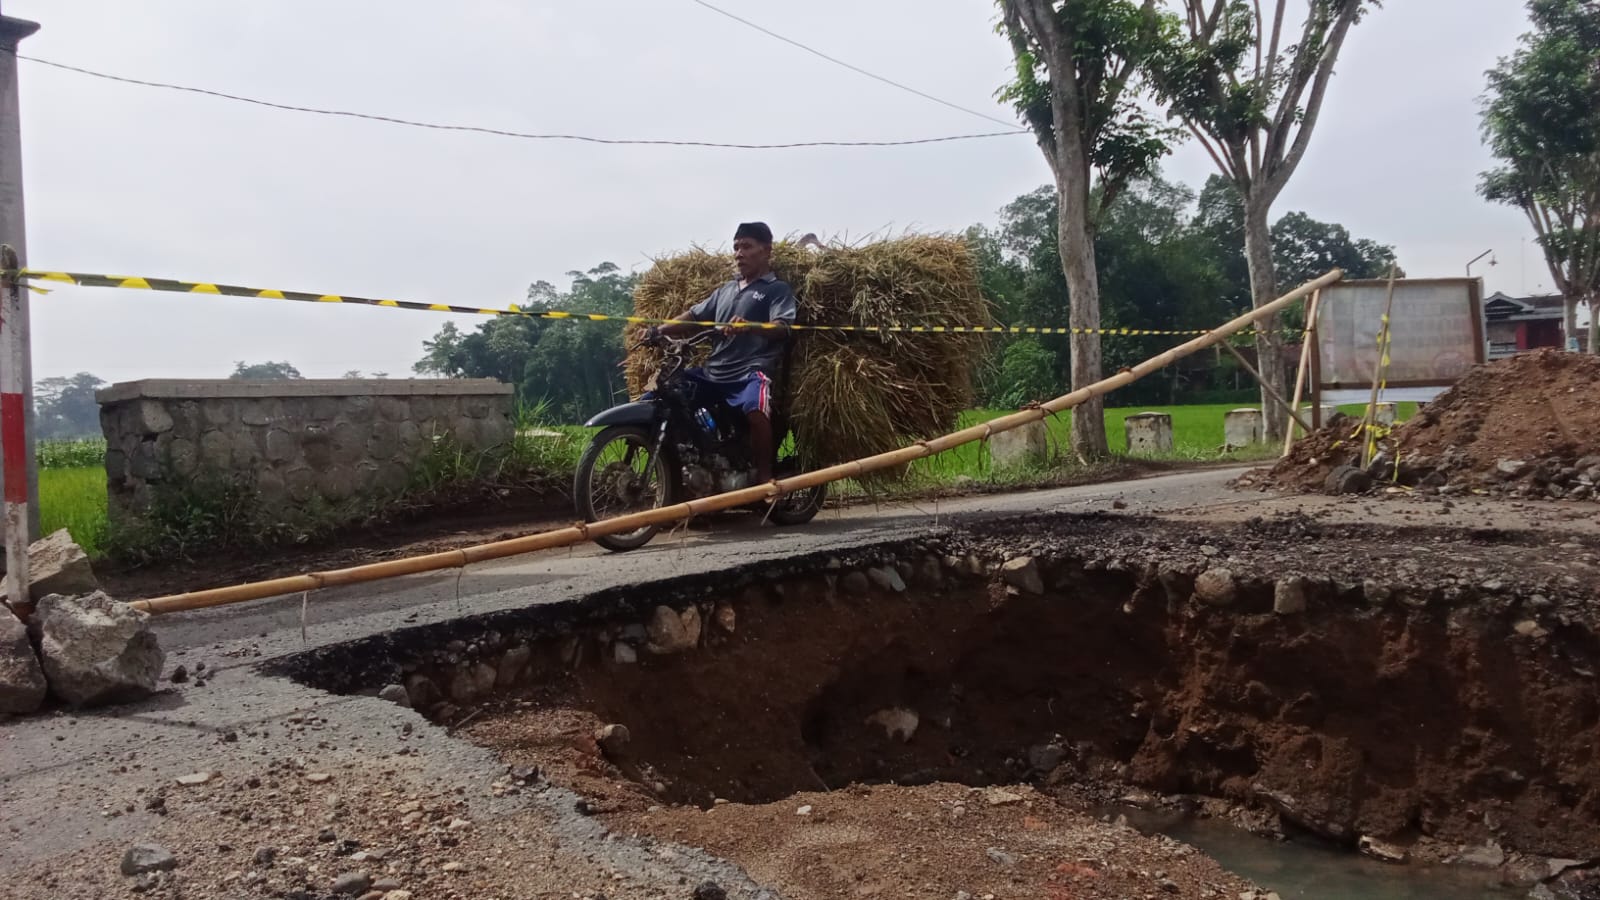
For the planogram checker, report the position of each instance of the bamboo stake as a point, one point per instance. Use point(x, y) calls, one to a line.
point(1377, 372)
point(579, 533)
point(1305, 364)
point(1271, 392)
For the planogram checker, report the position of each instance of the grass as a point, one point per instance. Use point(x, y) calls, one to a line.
point(72, 487)
point(74, 499)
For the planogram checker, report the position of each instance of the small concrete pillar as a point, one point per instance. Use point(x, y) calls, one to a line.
point(1328, 412)
point(1029, 444)
point(1385, 415)
point(1148, 432)
point(1242, 428)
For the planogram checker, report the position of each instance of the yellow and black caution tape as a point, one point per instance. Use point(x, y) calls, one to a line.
point(170, 285)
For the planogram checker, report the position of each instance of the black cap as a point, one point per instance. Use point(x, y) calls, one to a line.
point(756, 231)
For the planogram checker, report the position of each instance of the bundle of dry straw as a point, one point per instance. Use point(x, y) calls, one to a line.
point(851, 395)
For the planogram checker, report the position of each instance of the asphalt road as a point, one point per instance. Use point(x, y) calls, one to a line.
point(274, 626)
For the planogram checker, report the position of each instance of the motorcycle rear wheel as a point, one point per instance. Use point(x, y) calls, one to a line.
point(618, 475)
point(799, 507)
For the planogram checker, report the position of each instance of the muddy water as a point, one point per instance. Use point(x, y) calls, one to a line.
point(1302, 870)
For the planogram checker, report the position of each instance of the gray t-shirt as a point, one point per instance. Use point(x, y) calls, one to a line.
point(734, 357)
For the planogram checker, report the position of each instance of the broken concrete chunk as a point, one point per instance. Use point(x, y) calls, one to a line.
point(1022, 573)
point(96, 650)
point(57, 565)
point(22, 684)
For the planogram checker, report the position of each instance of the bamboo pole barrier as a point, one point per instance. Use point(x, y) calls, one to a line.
point(1294, 415)
point(1305, 365)
point(1377, 372)
point(579, 533)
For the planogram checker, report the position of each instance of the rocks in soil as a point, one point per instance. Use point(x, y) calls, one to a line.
point(352, 883)
point(423, 692)
point(613, 739)
point(1489, 855)
point(57, 565)
point(709, 890)
point(1046, 757)
point(1216, 587)
point(1003, 859)
point(1023, 574)
point(886, 578)
point(96, 650)
point(856, 583)
point(725, 618)
point(395, 693)
point(22, 684)
point(624, 653)
point(1382, 850)
point(513, 663)
point(673, 632)
point(1296, 813)
point(898, 723)
point(142, 858)
point(1347, 480)
point(1289, 596)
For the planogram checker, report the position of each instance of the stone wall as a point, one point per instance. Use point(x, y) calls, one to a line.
point(300, 444)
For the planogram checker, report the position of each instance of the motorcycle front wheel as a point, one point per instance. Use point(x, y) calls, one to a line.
point(620, 474)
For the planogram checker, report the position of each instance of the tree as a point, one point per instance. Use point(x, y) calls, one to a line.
point(1165, 260)
point(1304, 248)
point(1541, 118)
point(66, 407)
point(265, 371)
point(1219, 69)
point(570, 368)
point(1076, 64)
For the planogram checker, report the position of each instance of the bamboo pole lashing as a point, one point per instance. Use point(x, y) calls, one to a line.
point(745, 496)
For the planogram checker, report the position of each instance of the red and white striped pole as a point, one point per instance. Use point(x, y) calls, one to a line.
point(14, 433)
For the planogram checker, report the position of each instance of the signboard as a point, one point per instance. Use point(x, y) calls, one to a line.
point(1435, 332)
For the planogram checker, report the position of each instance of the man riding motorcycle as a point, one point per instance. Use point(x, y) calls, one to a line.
point(743, 361)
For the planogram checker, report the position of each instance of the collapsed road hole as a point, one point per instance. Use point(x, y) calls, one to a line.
point(1417, 689)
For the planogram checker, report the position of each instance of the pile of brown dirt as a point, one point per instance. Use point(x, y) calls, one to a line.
point(1528, 425)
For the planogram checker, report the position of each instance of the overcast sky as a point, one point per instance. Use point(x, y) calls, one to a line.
point(132, 180)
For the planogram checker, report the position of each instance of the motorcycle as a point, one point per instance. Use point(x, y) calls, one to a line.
point(670, 446)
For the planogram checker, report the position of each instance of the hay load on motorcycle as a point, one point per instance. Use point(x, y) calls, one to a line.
point(829, 396)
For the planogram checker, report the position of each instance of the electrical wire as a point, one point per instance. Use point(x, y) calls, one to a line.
point(854, 68)
point(476, 129)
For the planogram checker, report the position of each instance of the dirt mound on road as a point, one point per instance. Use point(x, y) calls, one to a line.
point(1528, 425)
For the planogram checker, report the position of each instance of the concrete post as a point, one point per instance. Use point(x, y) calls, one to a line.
point(14, 233)
point(1019, 447)
point(1242, 428)
point(1148, 433)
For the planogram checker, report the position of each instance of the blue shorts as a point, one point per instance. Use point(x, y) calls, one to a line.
point(752, 394)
